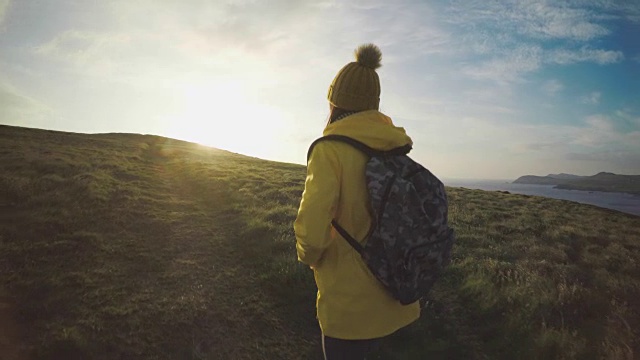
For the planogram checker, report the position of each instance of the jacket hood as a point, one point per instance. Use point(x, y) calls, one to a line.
point(372, 128)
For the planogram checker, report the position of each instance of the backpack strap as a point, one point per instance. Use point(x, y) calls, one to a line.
point(369, 151)
point(353, 242)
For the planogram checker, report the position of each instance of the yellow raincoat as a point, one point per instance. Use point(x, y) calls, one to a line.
point(351, 303)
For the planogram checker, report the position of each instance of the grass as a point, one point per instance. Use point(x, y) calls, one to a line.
point(120, 246)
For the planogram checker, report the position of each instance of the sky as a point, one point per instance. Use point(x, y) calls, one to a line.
point(486, 89)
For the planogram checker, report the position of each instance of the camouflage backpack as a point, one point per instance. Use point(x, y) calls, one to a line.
point(410, 241)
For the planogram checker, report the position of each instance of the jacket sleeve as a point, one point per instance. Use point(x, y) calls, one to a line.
point(318, 204)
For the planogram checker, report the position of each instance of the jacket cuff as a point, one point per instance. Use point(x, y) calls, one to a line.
point(308, 255)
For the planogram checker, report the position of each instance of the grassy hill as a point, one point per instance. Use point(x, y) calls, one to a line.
point(120, 246)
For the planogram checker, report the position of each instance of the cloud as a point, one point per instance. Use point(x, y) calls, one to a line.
point(600, 131)
point(543, 145)
point(600, 122)
point(535, 19)
point(4, 8)
point(584, 54)
point(628, 160)
point(289, 33)
point(418, 34)
point(597, 133)
point(628, 118)
point(17, 109)
point(82, 47)
point(558, 21)
point(592, 98)
point(510, 66)
point(630, 10)
point(355, 4)
point(553, 86)
point(594, 145)
point(279, 44)
point(505, 41)
point(148, 57)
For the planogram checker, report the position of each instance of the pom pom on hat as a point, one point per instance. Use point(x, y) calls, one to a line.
point(368, 55)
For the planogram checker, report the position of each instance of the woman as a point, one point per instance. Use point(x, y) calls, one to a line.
point(353, 309)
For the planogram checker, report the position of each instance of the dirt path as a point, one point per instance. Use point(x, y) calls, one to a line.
point(11, 345)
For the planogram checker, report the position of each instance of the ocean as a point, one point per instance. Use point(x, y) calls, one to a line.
point(623, 202)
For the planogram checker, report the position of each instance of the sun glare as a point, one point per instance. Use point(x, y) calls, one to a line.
point(225, 116)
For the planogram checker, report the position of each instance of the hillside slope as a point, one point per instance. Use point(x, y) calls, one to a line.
point(134, 246)
point(605, 182)
point(130, 246)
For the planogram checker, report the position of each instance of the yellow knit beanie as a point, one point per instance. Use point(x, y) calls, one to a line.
point(356, 87)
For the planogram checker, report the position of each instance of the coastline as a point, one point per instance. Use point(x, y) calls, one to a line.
point(619, 201)
point(592, 189)
point(602, 181)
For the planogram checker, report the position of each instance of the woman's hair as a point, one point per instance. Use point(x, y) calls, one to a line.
point(336, 112)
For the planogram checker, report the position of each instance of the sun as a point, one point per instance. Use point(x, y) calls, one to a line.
point(223, 114)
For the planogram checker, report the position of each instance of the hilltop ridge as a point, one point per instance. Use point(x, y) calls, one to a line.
point(565, 176)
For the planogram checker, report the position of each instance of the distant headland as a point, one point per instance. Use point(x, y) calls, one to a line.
point(603, 181)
